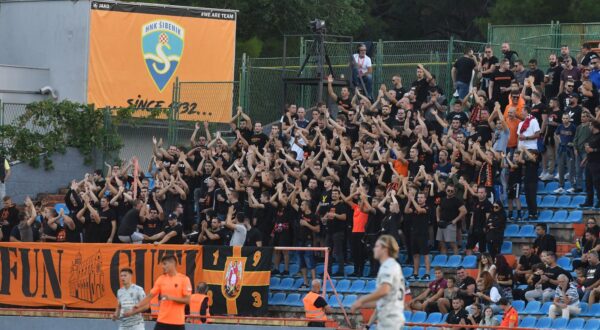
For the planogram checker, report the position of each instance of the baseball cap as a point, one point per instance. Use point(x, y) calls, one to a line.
point(173, 215)
point(575, 95)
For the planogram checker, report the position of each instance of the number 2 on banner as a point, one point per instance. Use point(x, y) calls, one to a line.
point(256, 258)
point(215, 257)
point(257, 299)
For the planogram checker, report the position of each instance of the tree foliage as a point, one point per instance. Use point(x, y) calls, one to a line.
point(49, 127)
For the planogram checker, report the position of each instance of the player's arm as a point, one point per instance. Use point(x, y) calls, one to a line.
point(117, 312)
point(141, 306)
point(370, 300)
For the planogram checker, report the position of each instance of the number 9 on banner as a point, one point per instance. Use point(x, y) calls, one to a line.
point(256, 258)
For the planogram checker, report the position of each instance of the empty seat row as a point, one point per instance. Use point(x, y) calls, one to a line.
point(574, 216)
point(514, 230)
point(341, 286)
point(295, 300)
point(537, 308)
point(553, 201)
point(559, 323)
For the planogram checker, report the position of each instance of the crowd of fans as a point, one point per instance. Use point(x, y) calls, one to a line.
point(427, 167)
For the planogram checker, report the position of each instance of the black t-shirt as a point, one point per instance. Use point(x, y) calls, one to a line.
point(463, 286)
point(480, 210)
point(527, 262)
point(552, 274)
point(259, 140)
point(10, 216)
point(464, 69)
point(153, 226)
point(129, 223)
point(484, 131)
point(487, 63)
point(449, 208)
point(305, 235)
point(336, 225)
point(419, 222)
point(553, 86)
point(219, 241)
point(537, 111)
point(538, 75)
point(501, 79)
point(178, 229)
point(590, 102)
point(454, 317)
point(105, 225)
point(545, 243)
point(592, 275)
point(253, 236)
point(421, 90)
point(320, 302)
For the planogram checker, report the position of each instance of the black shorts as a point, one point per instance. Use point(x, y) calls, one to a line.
point(418, 244)
point(282, 239)
point(514, 190)
point(474, 238)
point(164, 326)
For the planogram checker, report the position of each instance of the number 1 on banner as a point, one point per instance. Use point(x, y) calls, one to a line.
point(136, 170)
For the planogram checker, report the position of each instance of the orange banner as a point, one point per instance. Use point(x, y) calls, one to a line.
point(136, 52)
point(84, 275)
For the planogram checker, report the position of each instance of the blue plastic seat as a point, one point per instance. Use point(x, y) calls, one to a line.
point(548, 201)
point(469, 261)
point(578, 199)
point(592, 324)
point(551, 187)
point(563, 201)
point(506, 247)
point(292, 299)
point(592, 311)
point(298, 283)
point(419, 317)
point(545, 216)
point(582, 305)
point(434, 318)
point(527, 322)
point(439, 260)
point(286, 284)
point(407, 271)
point(349, 299)
point(407, 316)
point(527, 231)
point(370, 286)
point(349, 269)
point(543, 322)
point(576, 324)
point(545, 308)
point(366, 270)
point(320, 269)
point(278, 299)
point(333, 301)
point(342, 285)
point(532, 308)
point(523, 201)
point(518, 305)
point(61, 206)
point(357, 286)
point(541, 187)
point(575, 216)
point(274, 283)
point(454, 261)
point(511, 230)
point(565, 263)
point(559, 323)
point(560, 216)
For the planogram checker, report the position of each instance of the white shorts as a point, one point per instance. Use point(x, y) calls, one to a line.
point(135, 238)
point(390, 321)
point(139, 326)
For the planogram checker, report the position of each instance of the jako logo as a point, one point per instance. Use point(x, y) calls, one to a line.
point(162, 49)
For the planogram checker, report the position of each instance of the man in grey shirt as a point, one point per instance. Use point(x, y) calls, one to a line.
point(239, 230)
point(129, 296)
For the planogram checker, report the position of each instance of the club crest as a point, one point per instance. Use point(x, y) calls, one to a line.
point(234, 275)
point(162, 49)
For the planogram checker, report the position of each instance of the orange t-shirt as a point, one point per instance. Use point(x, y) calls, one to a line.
point(513, 136)
point(520, 107)
point(171, 312)
point(511, 316)
point(401, 168)
point(359, 220)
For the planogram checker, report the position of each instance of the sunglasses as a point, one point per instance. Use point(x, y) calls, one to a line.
point(496, 206)
point(594, 63)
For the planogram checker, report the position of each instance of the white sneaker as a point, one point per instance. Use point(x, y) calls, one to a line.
point(571, 190)
point(543, 175)
point(567, 176)
point(548, 177)
point(556, 177)
point(559, 191)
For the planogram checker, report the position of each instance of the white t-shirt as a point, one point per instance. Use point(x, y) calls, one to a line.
point(128, 298)
point(534, 127)
point(363, 63)
point(239, 236)
point(390, 308)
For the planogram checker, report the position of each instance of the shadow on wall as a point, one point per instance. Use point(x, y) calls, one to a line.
point(26, 180)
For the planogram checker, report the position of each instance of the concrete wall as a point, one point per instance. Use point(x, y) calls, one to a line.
point(22, 84)
point(45, 323)
point(25, 180)
point(48, 34)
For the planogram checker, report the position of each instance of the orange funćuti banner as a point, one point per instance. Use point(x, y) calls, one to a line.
point(84, 276)
point(136, 52)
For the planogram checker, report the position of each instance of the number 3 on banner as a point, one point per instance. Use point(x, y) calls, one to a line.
point(256, 258)
point(257, 299)
point(215, 257)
